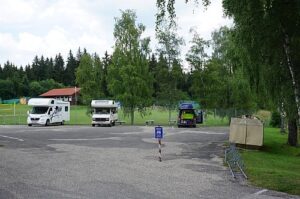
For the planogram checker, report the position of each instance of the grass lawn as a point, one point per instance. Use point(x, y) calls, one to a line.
point(276, 166)
point(9, 115)
point(160, 116)
point(80, 116)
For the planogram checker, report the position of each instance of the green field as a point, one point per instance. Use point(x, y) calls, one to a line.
point(276, 166)
point(80, 116)
point(13, 115)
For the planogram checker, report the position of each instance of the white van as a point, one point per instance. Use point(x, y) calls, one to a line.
point(104, 112)
point(46, 111)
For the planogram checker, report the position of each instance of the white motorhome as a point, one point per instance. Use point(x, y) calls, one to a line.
point(104, 112)
point(46, 111)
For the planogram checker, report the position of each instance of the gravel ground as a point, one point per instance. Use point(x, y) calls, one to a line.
point(117, 162)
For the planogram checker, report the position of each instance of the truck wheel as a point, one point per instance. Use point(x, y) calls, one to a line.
point(194, 126)
point(47, 123)
point(93, 125)
point(113, 124)
point(29, 124)
point(62, 123)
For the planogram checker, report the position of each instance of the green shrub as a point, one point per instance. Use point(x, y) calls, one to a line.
point(275, 119)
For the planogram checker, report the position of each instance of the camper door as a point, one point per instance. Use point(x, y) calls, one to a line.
point(114, 112)
point(56, 115)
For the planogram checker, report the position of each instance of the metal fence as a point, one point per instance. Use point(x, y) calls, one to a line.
point(13, 119)
point(234, 161)
point(11, 114)
point(228, 113)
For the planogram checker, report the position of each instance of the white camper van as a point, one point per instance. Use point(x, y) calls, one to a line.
point(46, 111)
point(104, 112)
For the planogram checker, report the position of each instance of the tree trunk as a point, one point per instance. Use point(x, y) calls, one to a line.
point(287, 51)
point(169, 113)
point(282, 119)
point(293, 132)
point(131, 115)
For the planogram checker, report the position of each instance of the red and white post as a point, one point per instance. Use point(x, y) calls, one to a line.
point(158, 134)
point(159, 150)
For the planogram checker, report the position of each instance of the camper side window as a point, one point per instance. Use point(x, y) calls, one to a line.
point(66, 109)
point(57, 109)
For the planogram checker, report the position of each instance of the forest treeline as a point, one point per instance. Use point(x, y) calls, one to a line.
point(42, 74)
point(214, 81)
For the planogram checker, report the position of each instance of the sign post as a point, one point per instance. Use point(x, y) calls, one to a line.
point(158, 134)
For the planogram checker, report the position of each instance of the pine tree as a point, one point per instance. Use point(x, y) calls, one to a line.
point(69, 73)
point(58, 69)
point(106, 61)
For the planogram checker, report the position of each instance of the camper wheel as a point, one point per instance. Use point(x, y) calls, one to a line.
point(29, 124)
point(93, 125)
point(62, 123)
point(47, 123)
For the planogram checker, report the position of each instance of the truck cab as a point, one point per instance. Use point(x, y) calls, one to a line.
point(104, 112)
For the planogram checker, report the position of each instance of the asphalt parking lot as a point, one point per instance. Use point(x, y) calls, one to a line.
point(117, 162)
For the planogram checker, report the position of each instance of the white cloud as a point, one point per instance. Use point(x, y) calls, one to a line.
point(204, 20)
point(43, 27)
point(7, 41)
point(29, 42)
point(16, 11)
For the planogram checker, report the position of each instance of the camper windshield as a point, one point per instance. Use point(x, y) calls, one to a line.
point(102, 110)
point(39, 110)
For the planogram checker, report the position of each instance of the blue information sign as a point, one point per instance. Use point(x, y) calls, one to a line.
point(159, 132)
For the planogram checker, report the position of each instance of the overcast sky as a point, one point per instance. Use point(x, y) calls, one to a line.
point(49, 27)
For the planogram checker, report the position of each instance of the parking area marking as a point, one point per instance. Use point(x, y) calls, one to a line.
point(204, 132)
point(86, 139)
point(261, 192)
point(57, 129)
point(196, 132)
point(13, 138)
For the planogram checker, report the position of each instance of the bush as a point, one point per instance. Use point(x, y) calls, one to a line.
point(275, 119)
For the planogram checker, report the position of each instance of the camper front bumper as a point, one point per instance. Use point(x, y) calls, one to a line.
point(101, 121)
point(36, 120)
